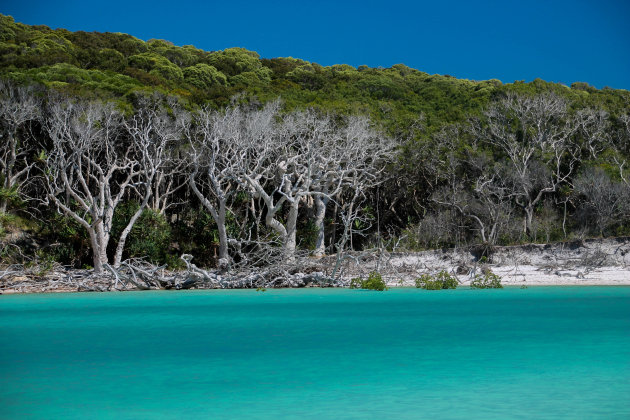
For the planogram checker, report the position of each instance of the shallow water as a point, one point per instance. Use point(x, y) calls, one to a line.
point(545, 352)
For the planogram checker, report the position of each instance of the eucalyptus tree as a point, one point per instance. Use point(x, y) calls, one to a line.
point(470, 182)
point(153, 133)
point(216, 155)
point(621, 145)
point(290, 159)
point(18, 107)
point(96, 159)
point(270, 170)
point(535, 135)
point(351, 158)
point(603, 201)
point(594, 128)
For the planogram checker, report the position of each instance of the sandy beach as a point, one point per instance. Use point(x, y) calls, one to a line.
point(592, 262)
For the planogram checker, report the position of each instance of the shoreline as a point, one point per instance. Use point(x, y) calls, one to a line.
point(10, 292)
point(618, 279)
point(529, 277)
point(593, 262)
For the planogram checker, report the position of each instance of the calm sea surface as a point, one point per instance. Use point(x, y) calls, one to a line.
point(544, 353)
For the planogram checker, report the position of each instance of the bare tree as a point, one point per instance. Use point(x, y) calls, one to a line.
point(593, 126)
point(470, 182)
point(622, 148)
point(316, 163)
point(604, 202)
point(92, 166)
point(168, 180)
point(350, 214)
point(352, 157)
point(535, 135)
point(214, 157)
point(486, 204)
point(304, 156)
point(18, 107)
point(270, 171)
point(152, 132)
point(89, 168)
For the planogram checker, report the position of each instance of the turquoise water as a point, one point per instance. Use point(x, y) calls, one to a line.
point(317, 354)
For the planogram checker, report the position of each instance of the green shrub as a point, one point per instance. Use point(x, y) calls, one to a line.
point(5, 220)
point(441, 280)
point(307, 233)
point(374, 282)
point(487, 280)
point(425, 281)
point(44, 262)
point(150, 235)
point(69, 241)
point(9, 195)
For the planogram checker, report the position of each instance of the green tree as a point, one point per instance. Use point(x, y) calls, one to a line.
point(157, 65)
point(233, 61)
point(204, 76)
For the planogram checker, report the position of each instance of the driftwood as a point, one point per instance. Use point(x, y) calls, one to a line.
point(42, 278)
point(137, 274)
point(576, 259)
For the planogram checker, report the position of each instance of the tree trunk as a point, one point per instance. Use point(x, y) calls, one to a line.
point(272, 223)
point(123, 236)
point(290, 241)
point(320, 213)
point(217, 215)
point(99, 252)
point(223, 238)
point(529, 217)
point(333, 235)
point(6, 185)
point(482, 232)
point(564, 220)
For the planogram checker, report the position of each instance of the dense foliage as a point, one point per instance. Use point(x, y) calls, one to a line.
point(477, 162)
point(120, 66)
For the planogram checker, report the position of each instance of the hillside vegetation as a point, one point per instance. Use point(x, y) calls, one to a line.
point(338, 157)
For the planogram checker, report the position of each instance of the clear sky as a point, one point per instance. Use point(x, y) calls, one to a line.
point(556, 40)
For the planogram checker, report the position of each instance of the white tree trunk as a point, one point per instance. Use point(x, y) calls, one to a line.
point(290, 240)
point(217, 215)
point(123, 236)
point(223, 237)
point(320, 213)
point(99, 250)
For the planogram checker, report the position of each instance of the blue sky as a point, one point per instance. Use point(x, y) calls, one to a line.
point(559, 41)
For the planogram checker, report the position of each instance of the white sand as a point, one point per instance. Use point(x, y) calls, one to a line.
point(590, 262)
